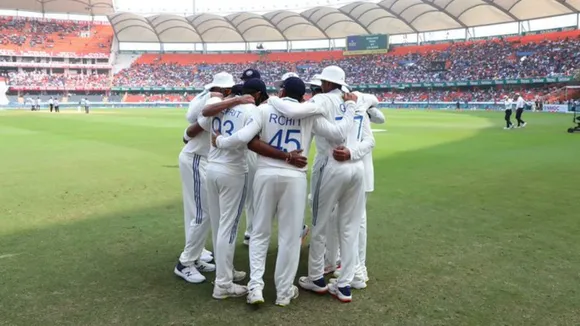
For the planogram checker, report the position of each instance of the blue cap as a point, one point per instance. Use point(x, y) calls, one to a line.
point(250, 74)
point(237, 89)
point(294, 85)
point(255, 85)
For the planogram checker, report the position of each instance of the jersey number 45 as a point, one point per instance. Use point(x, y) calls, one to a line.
point(289, 139)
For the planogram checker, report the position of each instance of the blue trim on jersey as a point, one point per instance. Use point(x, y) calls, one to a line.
point(234, 231)
point(317, 193)
point(197, 189)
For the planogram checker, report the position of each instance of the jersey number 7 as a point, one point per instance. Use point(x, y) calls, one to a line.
point(359, 119)
point(277, 140)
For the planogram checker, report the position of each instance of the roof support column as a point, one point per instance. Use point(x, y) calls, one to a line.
point(288, 46)
point(578, 21)
point(204, 48)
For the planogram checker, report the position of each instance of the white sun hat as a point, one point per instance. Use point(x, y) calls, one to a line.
point(334, 74)
point(287, 75)
point(221, 80)
point(315, 81)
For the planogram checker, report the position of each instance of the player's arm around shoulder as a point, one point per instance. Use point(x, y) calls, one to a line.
point(253, 125)
point(336, 132)
point(296, 110)
point(195, 106)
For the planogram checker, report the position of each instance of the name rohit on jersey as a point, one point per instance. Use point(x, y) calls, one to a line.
point(233, 113)
point(282, 120)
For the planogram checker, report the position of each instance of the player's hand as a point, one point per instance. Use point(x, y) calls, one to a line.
point(296, 159)
point(341, 154)
point(246, 99)
point(349, 97)
point(214, 137)
point(217, 94)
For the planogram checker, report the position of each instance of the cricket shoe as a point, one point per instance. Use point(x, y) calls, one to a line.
point(239, 276)
point(232, 291)
point(255, 296)
point(188, 273)
point(524, 125)
point(343, 294)
point(319, 286)
point(246, 240)
point(283, 302)
point(206, 256)
point(357, 283)
point(204, 267)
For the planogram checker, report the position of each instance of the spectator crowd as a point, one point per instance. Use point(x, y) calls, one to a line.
point(43, 79)
point(489, 60)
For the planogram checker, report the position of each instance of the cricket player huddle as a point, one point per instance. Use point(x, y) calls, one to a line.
point(245, 150)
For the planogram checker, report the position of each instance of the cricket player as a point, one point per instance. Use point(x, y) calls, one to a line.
point(87, 105)
point(337, 177)
point(361, 274)
point(508, 112)
point(56, 105)
point(227, 176)
point(50, 104)
point(280, 189)
point(38, 103)
point(192, 166)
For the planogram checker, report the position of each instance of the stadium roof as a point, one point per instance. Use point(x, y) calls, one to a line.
point(82, 7)
point(385, 17)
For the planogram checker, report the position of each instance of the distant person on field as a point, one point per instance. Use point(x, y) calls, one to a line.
point(520, 105)
point(87, 104)
point(508, 112)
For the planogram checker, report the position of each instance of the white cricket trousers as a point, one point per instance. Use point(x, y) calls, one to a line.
point(252, 159)
point(195, 213)
point(332, 254)
point(336, 182)
point(279, 192)
point(226, 196)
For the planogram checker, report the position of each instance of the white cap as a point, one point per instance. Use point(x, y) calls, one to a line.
point(287, 75)
point(334, 74)
point(315, 81)
point(221, 80)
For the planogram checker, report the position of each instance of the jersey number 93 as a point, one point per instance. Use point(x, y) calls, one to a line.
point(227, 125)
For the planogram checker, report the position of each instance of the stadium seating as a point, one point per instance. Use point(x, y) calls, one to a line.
point(542, 55)
point(19, 34)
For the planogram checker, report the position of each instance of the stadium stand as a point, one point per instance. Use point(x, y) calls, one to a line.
point(22, 35)
point(550, 55)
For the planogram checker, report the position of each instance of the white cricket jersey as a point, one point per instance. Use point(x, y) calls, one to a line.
point(520, 103)
point(201, 143)
point(87, 102)
point(37, 101)
point(375, 116)
point(50, 101)
point(287, 134)
point(508, 104)
point(56, 103)
point(228, 122)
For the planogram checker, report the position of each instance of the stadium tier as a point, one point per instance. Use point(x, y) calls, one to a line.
point(41, 57)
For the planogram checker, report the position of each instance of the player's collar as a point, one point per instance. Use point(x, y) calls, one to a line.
point(289, 99)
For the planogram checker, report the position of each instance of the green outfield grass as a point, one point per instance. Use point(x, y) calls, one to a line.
point(469, 225)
